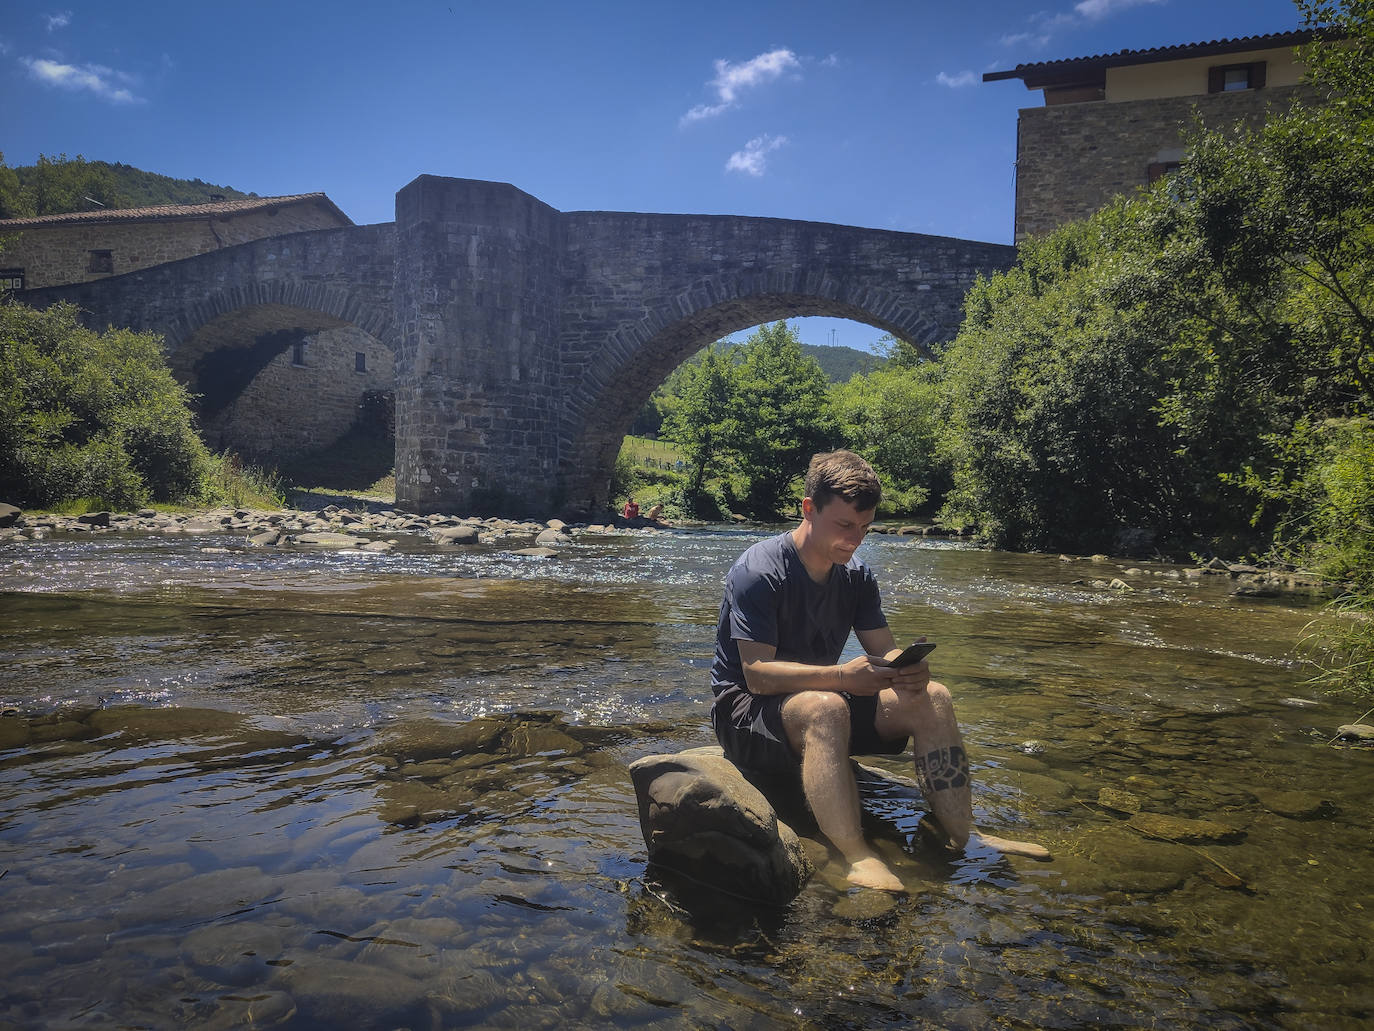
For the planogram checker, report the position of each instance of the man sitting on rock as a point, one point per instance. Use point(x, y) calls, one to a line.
point(783, 699)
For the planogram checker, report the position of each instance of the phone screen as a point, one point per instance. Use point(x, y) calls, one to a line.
point(914, 654)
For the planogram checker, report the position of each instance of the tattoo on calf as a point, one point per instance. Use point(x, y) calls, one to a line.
point(943, 769)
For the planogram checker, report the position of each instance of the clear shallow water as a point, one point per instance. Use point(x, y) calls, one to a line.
point(315, 789)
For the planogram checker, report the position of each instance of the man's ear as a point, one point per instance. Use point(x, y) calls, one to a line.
point(808, 508)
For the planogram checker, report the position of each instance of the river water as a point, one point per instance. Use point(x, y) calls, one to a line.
point(316, 789)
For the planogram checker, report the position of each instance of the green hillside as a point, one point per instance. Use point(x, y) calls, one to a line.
point(839, 363)
point(147, 189)
point(56, 186)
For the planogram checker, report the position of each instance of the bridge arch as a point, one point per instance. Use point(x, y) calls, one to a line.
point(616, 387)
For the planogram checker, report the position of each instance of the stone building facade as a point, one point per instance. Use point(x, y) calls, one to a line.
point(1115, 122)
point(305, 398)
point(56, 250)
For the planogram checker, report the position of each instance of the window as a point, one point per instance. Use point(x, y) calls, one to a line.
point(298, 353)
point(11, 279)
point(101, 261)
point(359, 361)
point(1227, 78)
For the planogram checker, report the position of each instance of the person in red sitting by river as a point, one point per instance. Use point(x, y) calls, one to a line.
point(631, 509)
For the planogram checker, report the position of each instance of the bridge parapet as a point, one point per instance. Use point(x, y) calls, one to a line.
point(343, 275)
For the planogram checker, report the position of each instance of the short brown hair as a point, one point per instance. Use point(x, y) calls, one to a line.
point(843, 474)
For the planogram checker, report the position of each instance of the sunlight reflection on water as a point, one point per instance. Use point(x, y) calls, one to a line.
point(294, 826)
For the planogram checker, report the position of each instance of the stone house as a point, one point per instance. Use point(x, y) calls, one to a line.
point(54, 250)
point(1114, 122)
point(294, 390)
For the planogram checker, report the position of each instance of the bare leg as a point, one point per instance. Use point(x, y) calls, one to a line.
point(942, 767)
point(941, 762)
point(817, 725)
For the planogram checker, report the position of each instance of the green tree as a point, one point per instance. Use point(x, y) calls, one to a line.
point(90, 415)
point(891, 417)
point(700, 419)
point(56, 186)
point(11, 193)
point(1049, 393)
point(781, 415)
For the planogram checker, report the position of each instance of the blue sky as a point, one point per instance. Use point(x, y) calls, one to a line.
point(861, 113)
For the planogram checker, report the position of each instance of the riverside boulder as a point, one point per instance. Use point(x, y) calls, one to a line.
point(702, 819)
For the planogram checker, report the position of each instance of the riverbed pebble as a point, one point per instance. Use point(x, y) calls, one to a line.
point(1184, 830)
point(1297, 805)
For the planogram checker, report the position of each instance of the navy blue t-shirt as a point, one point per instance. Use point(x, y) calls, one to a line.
point(770, 598)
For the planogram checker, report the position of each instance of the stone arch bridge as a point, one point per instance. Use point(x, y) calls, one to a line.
point(526, 339)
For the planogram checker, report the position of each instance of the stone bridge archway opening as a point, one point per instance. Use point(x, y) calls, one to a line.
point(588, 465)
point(275, 382)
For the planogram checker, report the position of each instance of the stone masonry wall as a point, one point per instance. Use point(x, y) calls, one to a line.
point(288, 408)
point(477, 387)
point(1072, 159)
point(61, 253)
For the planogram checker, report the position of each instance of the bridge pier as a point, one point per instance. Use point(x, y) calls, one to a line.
point(477, 300)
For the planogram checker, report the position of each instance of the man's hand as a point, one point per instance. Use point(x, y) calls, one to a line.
point(869, 674)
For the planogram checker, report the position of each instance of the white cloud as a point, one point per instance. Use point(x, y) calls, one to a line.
point(731, 79)
point(964, 78)
point(98, 79)
point(1033, 39)
point(1044, 26)
point(753, 159)
point(60, 20)
point(1096, 9)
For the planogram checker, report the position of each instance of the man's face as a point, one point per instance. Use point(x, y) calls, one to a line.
point(837, 529)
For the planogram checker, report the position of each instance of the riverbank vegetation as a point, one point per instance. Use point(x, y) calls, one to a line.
point(97, 418)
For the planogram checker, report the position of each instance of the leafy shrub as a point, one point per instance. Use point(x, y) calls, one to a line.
point(85, 414)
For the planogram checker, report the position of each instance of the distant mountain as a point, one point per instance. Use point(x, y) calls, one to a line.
point(839, 363)
point(57, 186)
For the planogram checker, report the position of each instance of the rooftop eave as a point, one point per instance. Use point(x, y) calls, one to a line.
point(1089, 71)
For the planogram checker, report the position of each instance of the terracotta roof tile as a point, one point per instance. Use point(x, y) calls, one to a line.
point(174, 211)
point(1047, 72)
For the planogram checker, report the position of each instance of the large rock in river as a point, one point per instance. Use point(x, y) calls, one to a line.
point(702, 818)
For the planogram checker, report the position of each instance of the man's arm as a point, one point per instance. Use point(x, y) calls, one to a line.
point(766, 675)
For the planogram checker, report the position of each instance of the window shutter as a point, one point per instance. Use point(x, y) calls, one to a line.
point(1216, 79)
point(1257, 75)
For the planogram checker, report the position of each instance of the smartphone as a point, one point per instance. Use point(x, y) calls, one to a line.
point(914, 654)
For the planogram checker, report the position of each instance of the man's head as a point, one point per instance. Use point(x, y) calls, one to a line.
point(843, 474)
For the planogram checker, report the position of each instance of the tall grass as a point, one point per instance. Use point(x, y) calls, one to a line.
point(228, 481)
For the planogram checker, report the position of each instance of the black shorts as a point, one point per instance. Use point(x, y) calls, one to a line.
point(749, 729)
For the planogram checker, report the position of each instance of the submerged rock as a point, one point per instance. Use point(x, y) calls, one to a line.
point(1121, 801)
point(1298, 805)
point(1357, 733)
point(536, 552)
point(1183, 830)
point(328, 539)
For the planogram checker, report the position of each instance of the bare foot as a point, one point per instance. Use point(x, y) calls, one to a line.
point(873, 873)
point(1015, 848)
